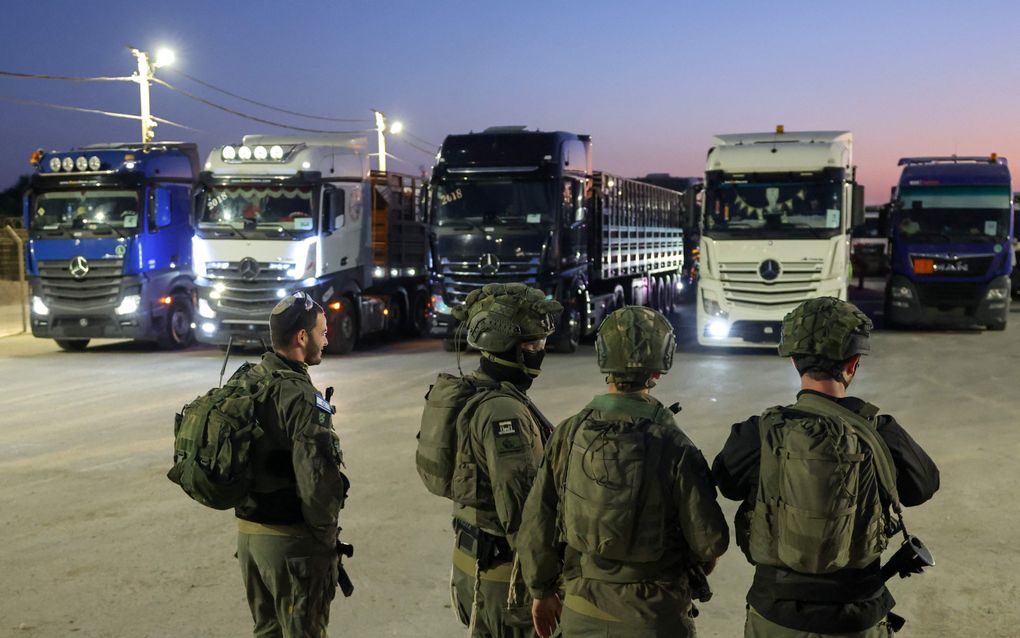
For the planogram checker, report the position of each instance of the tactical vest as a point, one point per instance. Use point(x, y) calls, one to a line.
point(614, 503)
point(824, 473)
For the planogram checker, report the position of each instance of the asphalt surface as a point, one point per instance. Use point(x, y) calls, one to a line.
point(96, 541)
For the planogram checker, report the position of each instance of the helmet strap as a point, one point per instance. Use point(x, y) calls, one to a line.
point(510, 364)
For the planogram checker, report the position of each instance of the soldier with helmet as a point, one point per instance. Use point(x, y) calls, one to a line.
point(623, 510)
point(821, 484)
point(498, 436)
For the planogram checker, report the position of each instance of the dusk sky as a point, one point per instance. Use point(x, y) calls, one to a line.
point(651, 82)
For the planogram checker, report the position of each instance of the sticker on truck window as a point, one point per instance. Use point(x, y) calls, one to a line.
point(302, 223)
point(832, 218)
point(534, 218)
point(130, 220)
point(991, 228)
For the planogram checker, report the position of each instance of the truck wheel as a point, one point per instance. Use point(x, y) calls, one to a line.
point(343, 328)
point(177, 332)
point(394, 316)
point(570, 331)
point(997, 326)
point(417, 324)
point(72, 345)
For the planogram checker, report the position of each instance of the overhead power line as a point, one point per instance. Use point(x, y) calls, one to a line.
point(79, 109)
point(423, 141)
point(225, 109)
point(263, 104)
point(68, 78)
point(419, 148)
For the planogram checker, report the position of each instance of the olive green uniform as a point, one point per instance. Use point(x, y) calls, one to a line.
point(504, 440)
point(287, 527)
point(616, 597)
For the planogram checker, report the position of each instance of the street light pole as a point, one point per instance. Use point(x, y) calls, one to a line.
point(380, 129)
point(146, 69)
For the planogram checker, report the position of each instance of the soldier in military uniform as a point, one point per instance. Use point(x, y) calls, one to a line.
point(288, 525)
point(503, 436)
point(835, 587)
point(623, 512)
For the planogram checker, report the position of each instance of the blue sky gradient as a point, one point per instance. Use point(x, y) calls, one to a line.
point(651, 82)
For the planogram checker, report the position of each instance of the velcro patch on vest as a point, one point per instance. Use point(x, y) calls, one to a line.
point(508, 436)
point(323, 404)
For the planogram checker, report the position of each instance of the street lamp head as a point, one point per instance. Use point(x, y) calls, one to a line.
point(396, 127)
point(164, 57)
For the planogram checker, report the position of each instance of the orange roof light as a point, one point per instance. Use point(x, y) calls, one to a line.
point(995, 157)
point(36, 157)
point(780, 129)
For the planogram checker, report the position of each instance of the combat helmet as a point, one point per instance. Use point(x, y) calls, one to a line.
point(827, 328)
point(633, 343)
point(498, 317)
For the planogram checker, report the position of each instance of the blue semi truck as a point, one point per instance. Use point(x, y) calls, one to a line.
point(109, 248)
point(952, 233)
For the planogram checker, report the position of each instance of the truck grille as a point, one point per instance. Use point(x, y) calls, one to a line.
point(254, 292)
point(743, 284)
point(947, 296)
point(462, 275)
point(961, 266)
point(99, 286)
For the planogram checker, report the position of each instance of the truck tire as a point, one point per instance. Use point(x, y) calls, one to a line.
point(569, 335)
point(177, 332)
point(72, 345)
point(395, 316)
point(417, 322)
point(997, 326)
point(343, 328)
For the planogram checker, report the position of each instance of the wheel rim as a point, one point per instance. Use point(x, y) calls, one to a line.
point(346, 325)
point(180, 325)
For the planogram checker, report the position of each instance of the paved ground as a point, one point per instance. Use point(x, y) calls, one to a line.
point(96, 541)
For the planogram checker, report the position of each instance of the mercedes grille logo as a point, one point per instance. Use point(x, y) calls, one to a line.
point(769, 269)
point(488, 264)
point(249, 268)
point(79, 267)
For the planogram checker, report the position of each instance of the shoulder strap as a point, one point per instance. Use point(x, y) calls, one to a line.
point(865, 428)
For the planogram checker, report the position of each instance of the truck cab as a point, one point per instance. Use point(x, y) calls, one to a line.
point(281, 214)
point(109, 249)
point(952, 242)
point(775, 231)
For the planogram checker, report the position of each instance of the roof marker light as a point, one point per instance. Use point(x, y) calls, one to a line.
point(67, 164)
point(228, 153)
point(276, 152)
point(244, 153)
point(261, 153)
point(95, 163)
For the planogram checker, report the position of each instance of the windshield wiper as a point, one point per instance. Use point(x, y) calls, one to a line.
point(277, 228)
point(814, 229)
point(108, 225)
point(917, 236)
point(221, 225)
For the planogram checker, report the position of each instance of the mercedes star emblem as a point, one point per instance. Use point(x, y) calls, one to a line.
point(79, 267)
point(249, 268)
point(488, 264)
point(769, 269)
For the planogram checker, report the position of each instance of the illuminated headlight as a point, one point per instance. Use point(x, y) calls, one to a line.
point(997, 293)
point(95, 163)
point(205, 310)
point(67, 164)
point(128, 305)
point(281, 293)
point(208, 327)
point(440, 306)
point(411, 272)
point(244, 153)
point(55, 164)
point(711, 307)
point(379, 273)
point(279, 265)
point(228, 153)
point(39, 307)
point(902, 292)
point(308, 283)
point(394, 272)
point(81, 163)
point(276, 152)
point(261, 153)
point(718, 329)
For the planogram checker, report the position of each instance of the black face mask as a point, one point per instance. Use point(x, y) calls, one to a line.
point(533, 360)
point(510, 374)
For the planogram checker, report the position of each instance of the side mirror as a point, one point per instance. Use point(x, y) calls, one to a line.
point(333, 209)
point(164, 205)
point(857, 212)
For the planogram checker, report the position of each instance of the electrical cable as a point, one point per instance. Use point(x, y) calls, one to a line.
point(263, 104)
point(419, 149)
point(69, 78)
point(79, 109)
point(225, 109)
point(423, 141)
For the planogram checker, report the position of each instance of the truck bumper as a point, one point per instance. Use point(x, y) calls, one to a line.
point(96, 323)
point(951, 304)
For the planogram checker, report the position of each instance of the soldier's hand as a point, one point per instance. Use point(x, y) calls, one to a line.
point(545, 614)
point(709, 566)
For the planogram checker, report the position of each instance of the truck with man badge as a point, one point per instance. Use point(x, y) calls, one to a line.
point(952, 242)
point(281, 214)
point(775, 231)
point(109, 247)
point(512, 205)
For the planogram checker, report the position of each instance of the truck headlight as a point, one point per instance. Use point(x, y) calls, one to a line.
point(718, 329)
point(996, 293)
point(439, 306)
point(712, 308)
point(39, 307)
point(128, 305)
point(205, 310)
point(902, 292)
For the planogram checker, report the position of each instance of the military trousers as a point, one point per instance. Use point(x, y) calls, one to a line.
point(757, 626)
point(290, 582)
point(483, 608)
point(580, 619)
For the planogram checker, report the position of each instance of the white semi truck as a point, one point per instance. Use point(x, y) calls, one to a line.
point(276, 215)
point(778, 211)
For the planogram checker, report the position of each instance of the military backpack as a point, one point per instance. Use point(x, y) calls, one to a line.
point(213, 440)
point(825, 484)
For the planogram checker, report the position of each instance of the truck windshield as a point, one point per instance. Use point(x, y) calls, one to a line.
point(273, 209)
point(773, 210)
point(99, 211)
point(944, 214)
point(493, 201)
